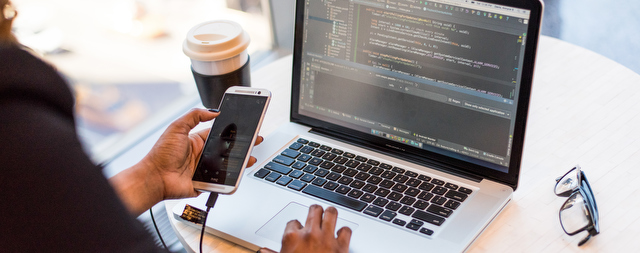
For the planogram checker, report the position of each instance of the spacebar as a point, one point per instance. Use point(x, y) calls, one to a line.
point(334, 197)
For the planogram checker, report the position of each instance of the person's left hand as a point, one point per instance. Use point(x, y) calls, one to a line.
point(175, 155)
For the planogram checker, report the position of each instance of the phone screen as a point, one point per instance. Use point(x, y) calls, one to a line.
point(230, 138)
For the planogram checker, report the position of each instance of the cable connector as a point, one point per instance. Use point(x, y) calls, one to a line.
point(211, 201)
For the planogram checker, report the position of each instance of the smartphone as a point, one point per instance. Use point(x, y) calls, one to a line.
point(232, 136)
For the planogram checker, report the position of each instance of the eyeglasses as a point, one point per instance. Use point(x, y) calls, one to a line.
point(580, 212)
point(8, 11)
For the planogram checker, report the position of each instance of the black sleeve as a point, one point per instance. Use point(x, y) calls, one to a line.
point(53, 197)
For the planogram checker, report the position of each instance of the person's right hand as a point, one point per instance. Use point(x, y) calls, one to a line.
point(316, 235)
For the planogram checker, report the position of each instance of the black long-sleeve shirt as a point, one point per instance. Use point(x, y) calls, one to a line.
point(52, 197)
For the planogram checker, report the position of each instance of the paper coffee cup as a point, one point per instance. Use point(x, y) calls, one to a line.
point(216, 47)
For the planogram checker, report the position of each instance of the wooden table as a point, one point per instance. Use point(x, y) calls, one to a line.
point(585, 110)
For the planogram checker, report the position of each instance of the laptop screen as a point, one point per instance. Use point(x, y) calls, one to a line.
point(434, 77)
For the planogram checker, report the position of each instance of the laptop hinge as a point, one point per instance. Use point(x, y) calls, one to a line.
point(396, 154)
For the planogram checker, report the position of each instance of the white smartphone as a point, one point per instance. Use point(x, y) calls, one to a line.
point(232, 136)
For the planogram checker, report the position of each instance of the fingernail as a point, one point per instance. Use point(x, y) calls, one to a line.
point(214, 110)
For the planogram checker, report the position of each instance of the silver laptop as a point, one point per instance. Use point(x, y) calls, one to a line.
point(408, 116)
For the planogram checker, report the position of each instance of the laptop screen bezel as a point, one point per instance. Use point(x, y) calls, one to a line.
point(381, 144)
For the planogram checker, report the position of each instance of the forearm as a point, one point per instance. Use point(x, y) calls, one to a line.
point(139, 187)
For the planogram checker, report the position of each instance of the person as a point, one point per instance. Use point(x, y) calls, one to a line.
point(55, 199)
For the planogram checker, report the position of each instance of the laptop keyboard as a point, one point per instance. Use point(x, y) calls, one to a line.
point(403, 198)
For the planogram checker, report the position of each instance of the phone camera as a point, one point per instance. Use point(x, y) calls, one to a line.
point(259, 92)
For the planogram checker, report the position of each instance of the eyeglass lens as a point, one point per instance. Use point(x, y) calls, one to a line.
point(573, 214)
point(568, 183)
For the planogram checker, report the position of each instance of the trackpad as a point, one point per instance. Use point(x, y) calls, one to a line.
point(274, 228)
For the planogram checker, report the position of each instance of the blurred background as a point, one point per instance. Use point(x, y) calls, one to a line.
point(124, 60)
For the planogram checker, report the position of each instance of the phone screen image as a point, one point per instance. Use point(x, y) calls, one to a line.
point(230, 139)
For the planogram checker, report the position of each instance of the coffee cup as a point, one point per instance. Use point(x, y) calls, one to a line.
point(219, 58)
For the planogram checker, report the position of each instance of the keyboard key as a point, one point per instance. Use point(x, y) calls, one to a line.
point(381, 202)
point(327, 165)
point(325, 148)
point(296, 145)
point(364, 167)
point(399, 188)
point(411, 174)
point(272, 177)
point(398, 170)
point(373, 211)
point(352, 163)
point(413, 226)
point(451, 186)
point(290, 153)
point(374, 180)
point(298, 165)
point(373, 162)
point(386, 166)
point(456, 195)
point(329, 156)
point(368, 197)
point(321, 172)
point(284, 181)
point(310, 169)
point(360, 159)
point(349, 155)
point(297, 185)
point(452, 204)
point(424, 178)
point(426, 196)
point(439, 210)
point(335, 198)
point(421, 205)
point(319, 181)
point(303, 141)
point(426, 186)
point(357, 184)
point(338, 169)
point(439, 190)
point(313, 144)
point(414, 182)
point(387, 184)
point(296, 174)
point(337, 151)
point(393, 206)
point(369, 188)
point(350, 172)
point(284, 160)
point(417, 222)
point(278, 168)
point(261, 173)
point(345, 180)
point(304, 158)
point(438, 200)
point(341, 160)
point(399, 222)
point(465, 190)
point(401, 179)
point(355, 193)
point(429, 218)
point(331, 185)
point(343, 189)
point(315, 161)
point(406, 210)
point(376, 171)
point(394, 196)
point(388, 215)
point(388, 175)
point(308, 178)
point(333, 176)
point(382, 192)
point(407, 200)
point(306, 149)
point(412, 192)
point(318, 153)
point(426, 231)
point(362, 176)
point(437, 182)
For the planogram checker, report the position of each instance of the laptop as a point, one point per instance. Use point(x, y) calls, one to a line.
point(408, 116)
